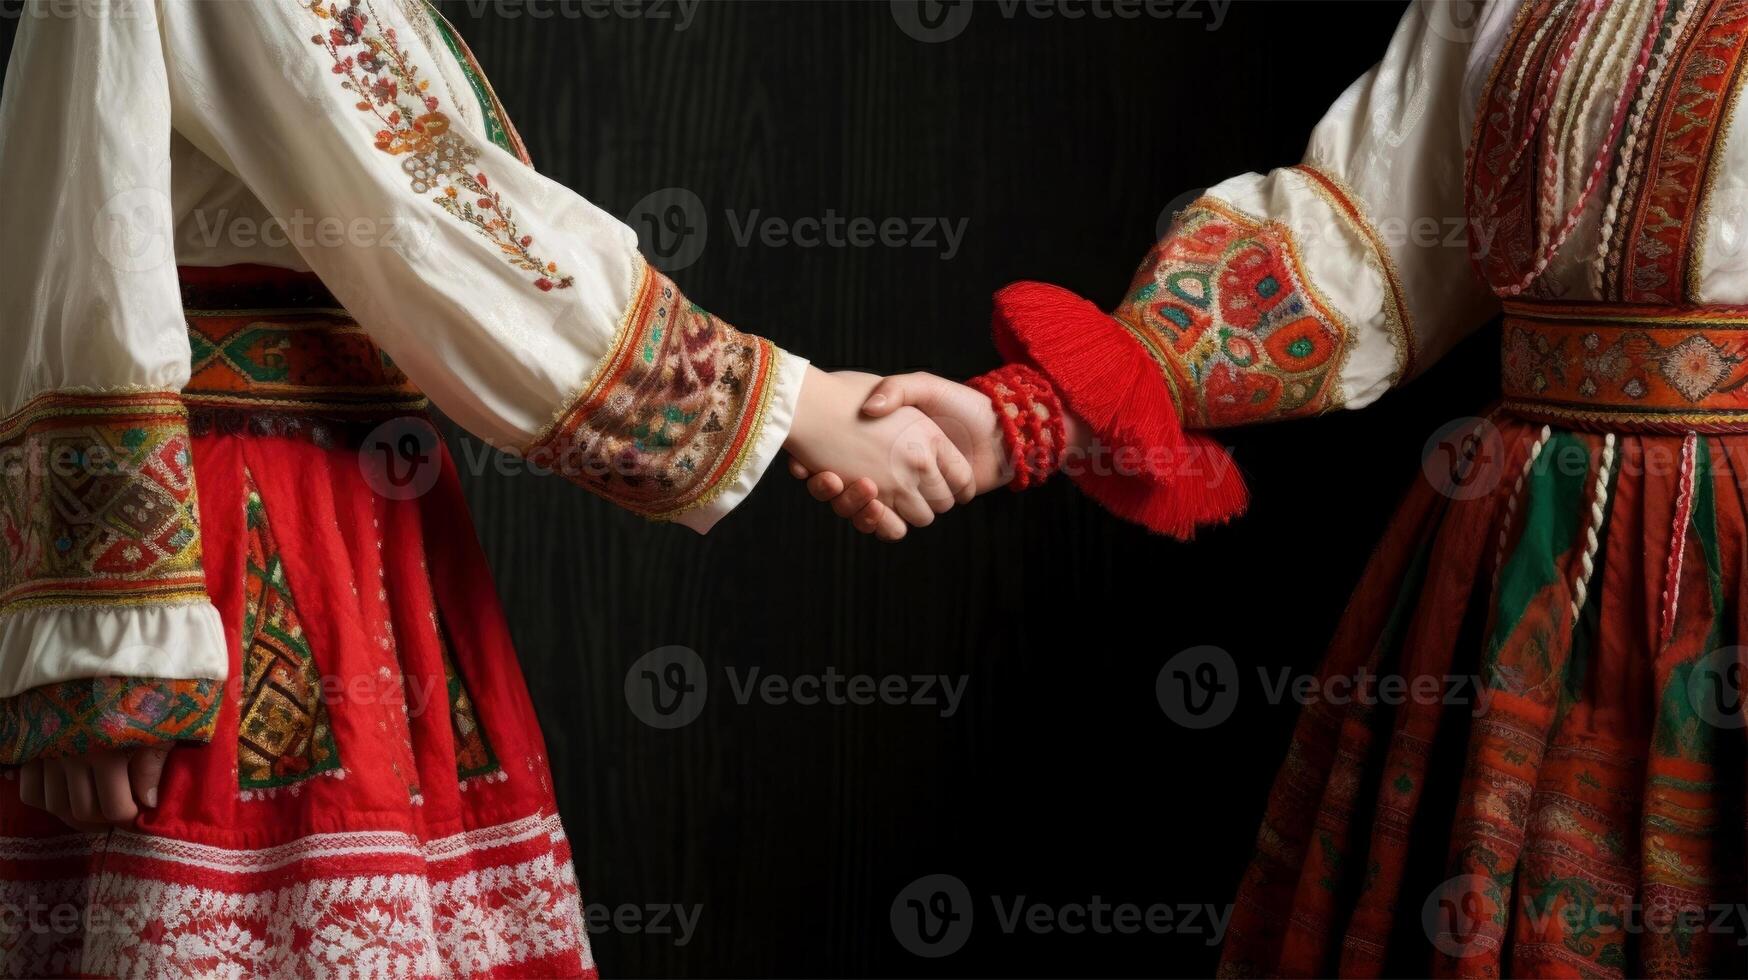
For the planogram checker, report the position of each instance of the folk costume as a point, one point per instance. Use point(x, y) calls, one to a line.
point(1581, 167)
point(249, 240)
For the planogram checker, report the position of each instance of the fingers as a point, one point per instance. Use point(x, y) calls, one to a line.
point(115, 791)
point(914, 508)
point(797, 470)
point(855, 497)
point(145, 770)
point(895, 392)
point(81, 792)
point(93, 792)
point(881, 521)
point(951, 481)
point(825, 486)
point(891, 527)
point(54, 788)
point(30, 784)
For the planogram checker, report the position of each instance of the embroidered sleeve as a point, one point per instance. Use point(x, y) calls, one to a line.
point(102, 589)
point(667, 422)
point(1277, 296)
point(519, 308)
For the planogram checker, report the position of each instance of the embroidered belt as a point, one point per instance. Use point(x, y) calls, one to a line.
point(1628, 368)
point(271, 349)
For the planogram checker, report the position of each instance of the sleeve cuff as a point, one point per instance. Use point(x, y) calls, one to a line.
point(680, 418)
point(766, 444)
point(78, 680)
point(1147, 468)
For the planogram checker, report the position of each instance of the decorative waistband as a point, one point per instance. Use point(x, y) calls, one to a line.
point(1627, 368)
point(270, 346)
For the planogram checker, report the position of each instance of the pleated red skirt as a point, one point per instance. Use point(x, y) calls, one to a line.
point(375, 800)
point(1578, 809)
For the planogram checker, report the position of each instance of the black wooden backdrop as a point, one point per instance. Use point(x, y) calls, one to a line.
point(791, 829)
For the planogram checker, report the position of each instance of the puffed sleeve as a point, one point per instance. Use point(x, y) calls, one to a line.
point(522, 310)
point(107, 636)
point(1276, 296)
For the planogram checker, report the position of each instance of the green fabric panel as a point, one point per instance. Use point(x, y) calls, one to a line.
point(495, 128)
point(1552, 515)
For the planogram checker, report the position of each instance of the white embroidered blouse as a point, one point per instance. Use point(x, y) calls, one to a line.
point(127, 130)
point(357, 141)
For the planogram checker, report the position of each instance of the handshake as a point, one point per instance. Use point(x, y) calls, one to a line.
point(889, 454)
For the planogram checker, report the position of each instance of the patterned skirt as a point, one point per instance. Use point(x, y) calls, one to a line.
point(1559, 786)
point(375, 799)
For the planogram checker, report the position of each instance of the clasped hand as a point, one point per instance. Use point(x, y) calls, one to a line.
point(891, 453)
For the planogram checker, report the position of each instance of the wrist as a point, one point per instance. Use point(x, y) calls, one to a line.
point(1032, 420)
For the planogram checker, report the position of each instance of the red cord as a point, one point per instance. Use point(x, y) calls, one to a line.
point(1032, 422)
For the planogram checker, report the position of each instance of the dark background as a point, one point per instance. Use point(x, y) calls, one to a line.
point(1060, 778)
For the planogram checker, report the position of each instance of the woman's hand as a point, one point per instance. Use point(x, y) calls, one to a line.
point(96, 791)
point(903, 469)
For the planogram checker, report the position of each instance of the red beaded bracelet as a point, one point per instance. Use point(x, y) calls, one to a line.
point(1032, 421)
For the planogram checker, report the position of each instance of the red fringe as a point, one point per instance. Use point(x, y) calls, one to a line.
point(1108, 379)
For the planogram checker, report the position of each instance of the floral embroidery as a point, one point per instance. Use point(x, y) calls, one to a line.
point(668, 420)
point(497, 900)
point(1223, 304)
point(82, 716)
point(97, 503)
point(1661, 367)
point(283, 735)
point(436, 156)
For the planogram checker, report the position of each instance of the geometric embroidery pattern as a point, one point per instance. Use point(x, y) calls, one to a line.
point(97, 503)
point(96, 713)
point(473, 751)
point(292, 363)
point(1661, 368)
point(667, 421)
point(1224, 307)
point(283, 734)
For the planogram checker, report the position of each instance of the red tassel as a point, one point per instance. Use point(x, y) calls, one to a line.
point(1110, 381)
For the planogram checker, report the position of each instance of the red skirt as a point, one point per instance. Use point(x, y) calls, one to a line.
point(375, 800)
point(1566, 794)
